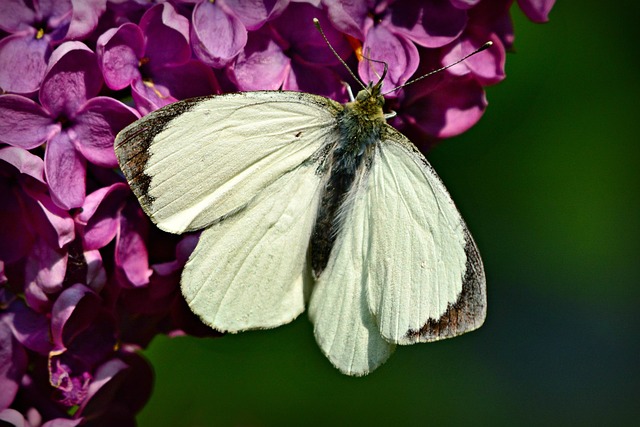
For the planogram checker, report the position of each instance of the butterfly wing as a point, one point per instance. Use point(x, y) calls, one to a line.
point(404, 268)
point(245, 168)
point(427, 282)
point(195, 161)
point(344, 326)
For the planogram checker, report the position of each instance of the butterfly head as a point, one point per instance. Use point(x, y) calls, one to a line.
point(370, 101)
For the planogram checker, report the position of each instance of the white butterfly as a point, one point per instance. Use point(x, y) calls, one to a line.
point(302, 200)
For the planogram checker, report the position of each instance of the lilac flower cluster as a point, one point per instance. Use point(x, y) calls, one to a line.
point(85, 280)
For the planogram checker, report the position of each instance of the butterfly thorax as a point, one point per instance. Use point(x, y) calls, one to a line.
point(360, 125)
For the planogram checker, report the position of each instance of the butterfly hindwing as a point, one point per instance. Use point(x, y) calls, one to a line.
point(250, 270)
point(345, 328)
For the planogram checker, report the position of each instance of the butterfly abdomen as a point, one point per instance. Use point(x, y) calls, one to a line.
point(359, 133)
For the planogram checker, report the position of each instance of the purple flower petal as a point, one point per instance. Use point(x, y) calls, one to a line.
point(72, 77)
point(24, 123)
point(86, 14)
point(216, 36)
point(15, 16)
point(58, 228)
point(303, 43)
point(149, 97)
point(401, 55)
point(31, 329)
point(65, 169)
point(72, 313)
point(254, 13)
point(96, 126)
point(13, 364)
point(119, 51)
point(62, 422)
point(430, 24)
point(123, 384)
point(101, 215)
point(22, 63)
point(262, 64)
point(131, 255)
point(167, 35)
point(349, 17)
point(187, 80)
point(23, 161)
point(464, 4)
point(536, 10)
point(314, 79)
point(448, 110)
point(36, 299)
point(487, 67)
point(96, 274)
point(46, 266)
point(12, 417)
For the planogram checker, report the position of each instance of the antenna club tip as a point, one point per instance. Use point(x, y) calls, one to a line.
point(487, 45)
point(316, 21)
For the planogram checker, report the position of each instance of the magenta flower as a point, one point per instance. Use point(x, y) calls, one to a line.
point(99, 226)
point(389, 31)
point(85, 279)
point(76, 125)
point(154, 58)
point(36, 28)
point(280, 56)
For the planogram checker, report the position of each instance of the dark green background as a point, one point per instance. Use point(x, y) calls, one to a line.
point(548, 184)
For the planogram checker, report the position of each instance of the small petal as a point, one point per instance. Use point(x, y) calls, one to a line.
point(315, 79)
point(31, 329)
point(131, 252)
point(487, 66)
point(96, 274)
point(23, 61)
point(349, 17)
point(25, 162)
point(72, 77)
point(254, 13)
point(24, 123)
point(46, 266)
point(15, 16)
point(401, 55)
point(100, 214)
point(167, 35)
point(96, 125)
point(149, 96)
point(216, 36)
point(11, 417)
point(86, 14)
point(72, 313)
point(262, 65)
point(464, 4)
point(13, 364)
point(449, 110)
point(187, 80)
point(536, 10)
point(65, 169)
point(430, 24)
point(119, 52)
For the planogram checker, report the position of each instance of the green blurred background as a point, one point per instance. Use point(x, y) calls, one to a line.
point(548, 184)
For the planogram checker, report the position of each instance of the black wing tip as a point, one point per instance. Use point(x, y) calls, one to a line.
point(468, 312)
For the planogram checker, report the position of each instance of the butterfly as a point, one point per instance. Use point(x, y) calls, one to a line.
point(300, 201)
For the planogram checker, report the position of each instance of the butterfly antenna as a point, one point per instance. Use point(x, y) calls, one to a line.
point(317, 24)
point(384, 72)
point(487, 45)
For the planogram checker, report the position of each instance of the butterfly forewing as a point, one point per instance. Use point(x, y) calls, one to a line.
point(209, 158)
